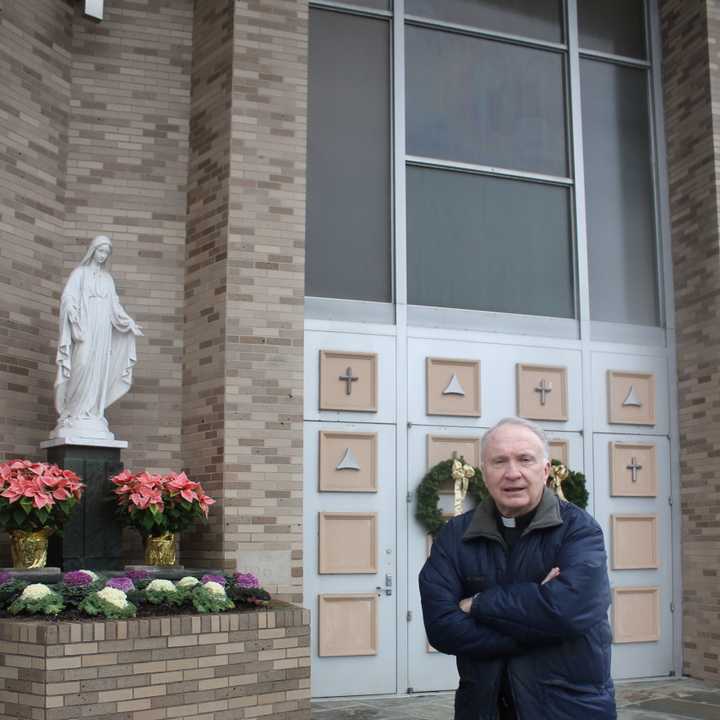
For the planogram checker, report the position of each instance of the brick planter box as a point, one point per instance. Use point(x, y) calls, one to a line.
point(206, 667)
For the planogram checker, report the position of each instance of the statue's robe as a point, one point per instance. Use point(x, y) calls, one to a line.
point(94, 373)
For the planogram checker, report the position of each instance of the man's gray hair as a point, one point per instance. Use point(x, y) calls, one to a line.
point(534, 428)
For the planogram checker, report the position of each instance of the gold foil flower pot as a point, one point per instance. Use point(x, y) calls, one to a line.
point(160, 549)
point(29, 548)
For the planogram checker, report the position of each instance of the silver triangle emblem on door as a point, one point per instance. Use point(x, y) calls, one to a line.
point(631, 399)
point(454, 387)
point(348, 461)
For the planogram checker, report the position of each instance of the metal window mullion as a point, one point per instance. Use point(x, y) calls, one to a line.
point(350, 9)
point(581, 236)
point(437, 164)
point(615, 59)
point(402, 508)
point(471, 30)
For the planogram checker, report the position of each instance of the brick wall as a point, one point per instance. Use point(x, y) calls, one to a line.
point(266, 281)
point(691, 29)
point(203, 429)
point(214, 667)
point(34, 106)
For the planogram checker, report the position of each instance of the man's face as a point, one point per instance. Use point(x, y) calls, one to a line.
point(515, 469)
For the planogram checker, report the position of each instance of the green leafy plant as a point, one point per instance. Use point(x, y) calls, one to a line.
point(37, 599)
point(249, 596)
point(164, 592)
point(208, 599)
point(10, 589)
point(110, 603)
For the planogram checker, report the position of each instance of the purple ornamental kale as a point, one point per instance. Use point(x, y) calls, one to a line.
point(121, 583)
point(5, 577)
point(77, 578)
point(213, 578)
point(136, 575)
point(246, 580)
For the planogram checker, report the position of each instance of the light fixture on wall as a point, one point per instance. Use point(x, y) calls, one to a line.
point(94, 9)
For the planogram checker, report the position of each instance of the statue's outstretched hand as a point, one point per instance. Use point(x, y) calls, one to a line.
point(136, 329)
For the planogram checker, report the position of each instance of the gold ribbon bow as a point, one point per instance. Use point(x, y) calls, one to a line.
point(558, 475)
point(461, 474)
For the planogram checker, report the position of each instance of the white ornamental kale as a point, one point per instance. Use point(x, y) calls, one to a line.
point(37, 591)
point(188, 581)
point(113, 596)
point(214, 588)
point(162, 586)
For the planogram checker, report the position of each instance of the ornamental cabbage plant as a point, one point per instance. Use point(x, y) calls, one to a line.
point(37, 599)
point(160, 592)
point(110, 603)
point(211, 597)
point(158, 504)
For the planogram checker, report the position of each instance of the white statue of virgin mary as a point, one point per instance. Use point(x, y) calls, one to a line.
point(96, 348)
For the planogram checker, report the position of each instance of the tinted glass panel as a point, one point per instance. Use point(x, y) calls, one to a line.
point(487, 243)
point(485, 102)
point(348, 209)
point(618, 184)
point(612, 26)
point(376, 4)
point(540, 19)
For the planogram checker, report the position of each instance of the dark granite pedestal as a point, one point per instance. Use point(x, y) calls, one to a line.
point(92, 537)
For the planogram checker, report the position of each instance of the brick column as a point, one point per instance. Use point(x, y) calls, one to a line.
point(691, 76)
point(246, 242)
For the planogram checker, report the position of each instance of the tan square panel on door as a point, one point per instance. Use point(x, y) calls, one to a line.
point(348, 462)
point(348, 381)
point(453, 387)
point(348, 625)
point(631, 398)
point(443, 447)
point(559, 451)
point(634, 542)
point(636, 614)
point(347, 543)
point(633, 469)
point(542, 392)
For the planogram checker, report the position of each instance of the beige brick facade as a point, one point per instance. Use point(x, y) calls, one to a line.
point(178, 129)
point(691, 82)
point(211, 667)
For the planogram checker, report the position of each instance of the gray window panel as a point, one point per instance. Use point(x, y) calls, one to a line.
point(485, 102)
point(619, 194)
point(376, 4)
point(612, 26)
point(487, 243)
point(348, 253)
point(539, 19)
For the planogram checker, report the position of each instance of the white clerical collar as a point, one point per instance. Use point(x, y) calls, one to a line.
point(508, 522)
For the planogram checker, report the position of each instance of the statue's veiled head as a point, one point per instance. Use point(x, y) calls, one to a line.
point(100, 243)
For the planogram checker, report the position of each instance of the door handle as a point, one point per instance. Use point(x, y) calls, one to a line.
point(387, 590)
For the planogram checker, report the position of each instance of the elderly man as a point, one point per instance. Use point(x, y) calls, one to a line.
point(518, 590)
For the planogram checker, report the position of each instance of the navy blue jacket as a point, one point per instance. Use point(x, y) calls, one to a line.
point(555, 638)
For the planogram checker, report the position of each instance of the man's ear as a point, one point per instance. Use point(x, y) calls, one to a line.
point(547, 469)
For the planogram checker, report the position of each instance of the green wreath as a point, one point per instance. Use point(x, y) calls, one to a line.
point(427, 511)
point(429, 515)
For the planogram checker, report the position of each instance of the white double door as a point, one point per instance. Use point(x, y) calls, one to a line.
point(351, 569)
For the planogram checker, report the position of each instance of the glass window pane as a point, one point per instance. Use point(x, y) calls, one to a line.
point(612, 26)
point(487, 243)
point(619, 194)
point(541, 19)
point(485, 102)
point(374, 4)
point(348, 207)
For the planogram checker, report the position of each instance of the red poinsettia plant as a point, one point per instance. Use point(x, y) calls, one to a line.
point(157, 504)
point(36, 495)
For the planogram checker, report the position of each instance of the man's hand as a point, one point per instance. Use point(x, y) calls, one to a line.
point(551, 575)
point(466, 604)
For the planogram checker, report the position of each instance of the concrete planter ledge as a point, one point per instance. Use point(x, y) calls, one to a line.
point(206, 667)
